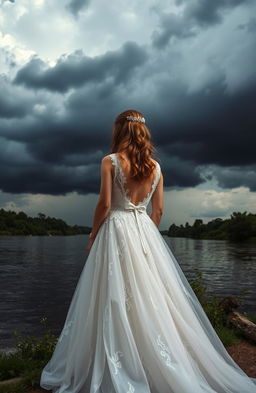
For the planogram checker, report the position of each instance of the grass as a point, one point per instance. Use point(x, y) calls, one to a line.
point(228, 335)
point(27, 361)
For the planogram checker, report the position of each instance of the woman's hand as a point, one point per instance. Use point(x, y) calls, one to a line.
point(104, 201)
point(90, 242)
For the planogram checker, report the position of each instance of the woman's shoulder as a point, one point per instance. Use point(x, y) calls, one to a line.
point(108, 159)
point(156, 163)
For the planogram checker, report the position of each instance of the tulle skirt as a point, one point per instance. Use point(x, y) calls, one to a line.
point(134, 324)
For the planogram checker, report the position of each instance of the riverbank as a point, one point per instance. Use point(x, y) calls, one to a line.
point(244, 354)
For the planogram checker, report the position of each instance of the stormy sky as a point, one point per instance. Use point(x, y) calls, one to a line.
point(69, 68)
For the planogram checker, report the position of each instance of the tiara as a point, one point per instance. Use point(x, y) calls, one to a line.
point(134, 118)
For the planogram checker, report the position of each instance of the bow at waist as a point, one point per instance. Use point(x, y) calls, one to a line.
point(137, 209)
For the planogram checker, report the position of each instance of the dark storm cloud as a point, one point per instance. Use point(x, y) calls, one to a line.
point(52, 142)
point(12, 103)
point(172, 26)
point(54, 157)
point(216, 128)
point(77, 69)
point(62, 154)
point(9, 108)
point(206, 12)
point(179, 173)
point(22, 172)
point(233, 176)
point(197, 14)
point(76, 5)
point(47, 179)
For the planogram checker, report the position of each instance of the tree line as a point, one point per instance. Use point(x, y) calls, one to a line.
point(239, 227)
point(13, 223)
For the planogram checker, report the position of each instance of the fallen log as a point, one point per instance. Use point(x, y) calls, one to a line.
point(243, 324)
point(236, 319)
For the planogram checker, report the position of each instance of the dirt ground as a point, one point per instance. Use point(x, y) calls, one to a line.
point(244, 354)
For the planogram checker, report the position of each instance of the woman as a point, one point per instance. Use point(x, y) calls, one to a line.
point(134, 324)
point(133, 149)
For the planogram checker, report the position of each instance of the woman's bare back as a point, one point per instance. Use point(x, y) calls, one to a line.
point(136, 190)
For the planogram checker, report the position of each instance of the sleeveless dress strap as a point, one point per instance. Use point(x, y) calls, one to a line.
point(156, 179)
point(114, 163)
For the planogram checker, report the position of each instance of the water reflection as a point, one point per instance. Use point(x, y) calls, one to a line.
point(228, 268)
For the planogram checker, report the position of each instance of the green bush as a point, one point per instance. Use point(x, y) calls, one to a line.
point(11, 365)
point(27, 361)
point(36, 349)
point(216, 315)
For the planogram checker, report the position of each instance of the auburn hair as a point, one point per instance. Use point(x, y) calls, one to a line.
point(134, 138)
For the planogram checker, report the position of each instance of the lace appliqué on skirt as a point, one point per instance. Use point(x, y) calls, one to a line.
point(128, 297)
point(165, 352)
point(115, 361)
point(131, 388)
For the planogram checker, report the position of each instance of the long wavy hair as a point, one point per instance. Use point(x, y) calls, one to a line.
point(134, 138)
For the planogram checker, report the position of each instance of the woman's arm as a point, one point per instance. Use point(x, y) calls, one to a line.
point(157, 201)
point(104, 201)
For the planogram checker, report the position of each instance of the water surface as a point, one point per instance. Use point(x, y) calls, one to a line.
point(38, 276)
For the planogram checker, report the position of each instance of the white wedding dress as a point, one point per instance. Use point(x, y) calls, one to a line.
point(134, 324)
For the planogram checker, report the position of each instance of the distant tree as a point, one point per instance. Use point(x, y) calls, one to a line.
point(41, 216)
point(240, 227)
point(198, 222)
point(21, 216)
point(12, 223)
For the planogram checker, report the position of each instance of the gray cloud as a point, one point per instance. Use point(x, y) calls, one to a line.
point(172, 26)
point(179, 173)
point(197, 14)
point(199, 107)
point(46, 179)
point(250, 26)
point(77, 69)
point(76, 5)
point(206, 12)
point(13, 103)
point(232, 176)
point(221, 132)
point(4, 1)
point(54, 153)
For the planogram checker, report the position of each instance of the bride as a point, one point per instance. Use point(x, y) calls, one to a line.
point(134, 324)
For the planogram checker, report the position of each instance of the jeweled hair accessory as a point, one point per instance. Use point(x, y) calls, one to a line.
point(134, 118)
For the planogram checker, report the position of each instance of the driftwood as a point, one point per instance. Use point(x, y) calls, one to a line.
point(238, 320)
point(241, 322)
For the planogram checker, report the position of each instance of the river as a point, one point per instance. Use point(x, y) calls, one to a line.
point(38, 276)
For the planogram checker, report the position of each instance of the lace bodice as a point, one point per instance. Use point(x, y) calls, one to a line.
point(120, 197)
